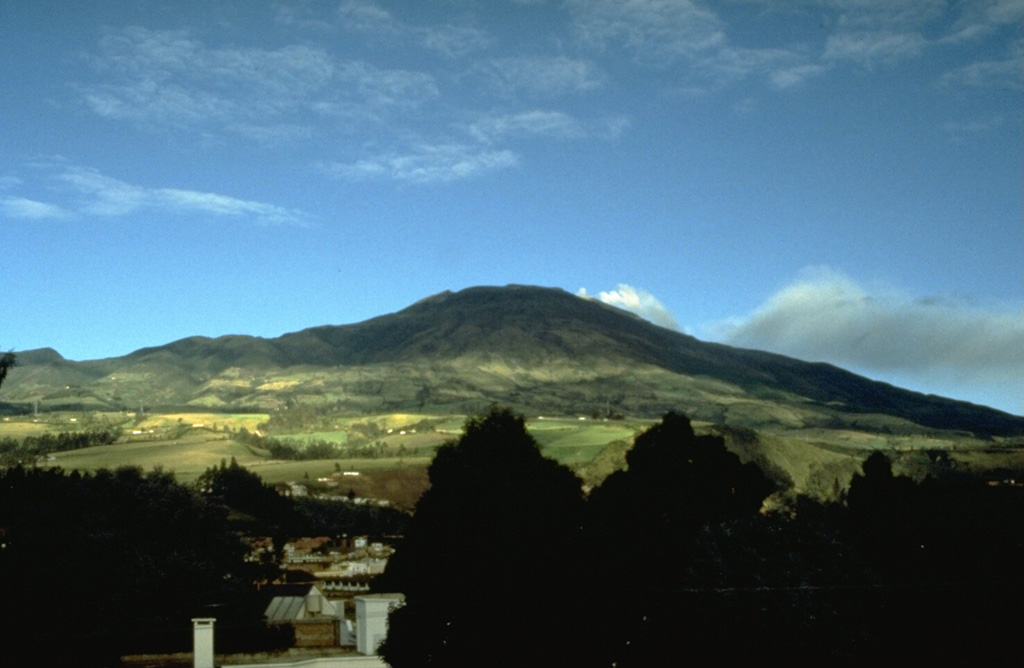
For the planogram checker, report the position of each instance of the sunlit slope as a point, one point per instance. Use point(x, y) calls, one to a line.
point(539, 350)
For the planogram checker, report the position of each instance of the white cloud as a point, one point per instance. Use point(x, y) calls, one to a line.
point(1003, 73)
point(788, 77)
point(981, 18)
point(536, 122)
point(544, 123)
point(963, 131)
point(541, 75)
point(637, 301)
point(223, 205)
point(101, 195)
point(448, 39)
point(932, 342)
point(168, 79)
point(387, 87)
point(654, 30)
point(689, 38)
point(453, 40)
point(21, 207)
point(874, 46)
point(874, 32)
point(427, 163)
point(365, 16)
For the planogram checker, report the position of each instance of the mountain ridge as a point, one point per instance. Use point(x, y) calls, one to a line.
point(514, 344)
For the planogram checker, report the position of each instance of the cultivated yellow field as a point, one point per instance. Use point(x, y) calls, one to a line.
point(815, 461)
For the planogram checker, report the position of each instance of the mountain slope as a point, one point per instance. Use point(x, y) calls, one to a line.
point(539, 349)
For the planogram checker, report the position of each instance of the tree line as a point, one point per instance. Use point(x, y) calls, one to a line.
point(258, 508)
point(312, 448)
point(31, 448)
point(94, 566)
point(506, 561)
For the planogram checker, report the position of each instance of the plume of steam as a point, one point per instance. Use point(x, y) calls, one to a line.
point(637, 301)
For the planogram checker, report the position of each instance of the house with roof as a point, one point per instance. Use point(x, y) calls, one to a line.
point(317, 621)
point(371, 610)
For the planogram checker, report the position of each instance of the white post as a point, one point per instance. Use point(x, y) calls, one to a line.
point(202, 642)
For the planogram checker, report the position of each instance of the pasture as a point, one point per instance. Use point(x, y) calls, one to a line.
point(391, 451)
point(187, 457)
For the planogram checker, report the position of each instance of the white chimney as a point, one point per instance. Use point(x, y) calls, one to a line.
point(202, 642)
point(372, 619)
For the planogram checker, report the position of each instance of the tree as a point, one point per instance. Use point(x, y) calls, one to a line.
point(139, 554)
point(490, 543)
point(239, 489)
point(642, 526)
point(886, 514)
point(6, 363)
point(943, 550)
point(675, 483)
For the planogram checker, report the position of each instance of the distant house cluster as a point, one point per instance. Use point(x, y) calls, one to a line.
point(319, 583)
point(317, 622)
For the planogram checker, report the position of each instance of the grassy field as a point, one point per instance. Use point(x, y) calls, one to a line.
point(187, 456)
point(578, 442)
point(22, 429)
point(811, 460)
point(217, 421)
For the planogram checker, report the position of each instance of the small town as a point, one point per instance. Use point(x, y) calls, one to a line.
point(319, 603)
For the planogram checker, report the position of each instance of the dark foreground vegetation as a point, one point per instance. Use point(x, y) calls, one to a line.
point(506, 563)
point(96, 566)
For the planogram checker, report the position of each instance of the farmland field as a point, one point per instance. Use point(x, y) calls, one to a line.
point(391, 451)
point(577, 442)
point(187, 457)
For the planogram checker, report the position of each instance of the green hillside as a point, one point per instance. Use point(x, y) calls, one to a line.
point(540, 351)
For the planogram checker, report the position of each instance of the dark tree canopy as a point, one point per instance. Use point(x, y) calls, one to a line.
point(642, 525)
point(110, 562)
point(7, 361)
point(948, 554)
point(235, 487)
point(675, 483)
point(490, 544)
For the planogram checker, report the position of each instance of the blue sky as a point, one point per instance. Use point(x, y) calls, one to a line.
point(836, 180)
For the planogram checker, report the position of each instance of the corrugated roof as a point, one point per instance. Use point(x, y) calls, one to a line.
point(284, 608)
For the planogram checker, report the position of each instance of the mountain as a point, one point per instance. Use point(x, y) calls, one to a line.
point(536, 349)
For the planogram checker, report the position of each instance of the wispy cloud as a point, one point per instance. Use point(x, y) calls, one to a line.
point(544, 123)
point(788, 77)
point(165, 79)
point(979, 19)
point(536, 122)
point(637, 301)
point(21, 207)
point(543, 76)
point(449, 39)
point(825, 316)
point(169, 77)
point(1001, 73)
point(875, 32)
point(690, 39)
point(660, 31)
point(92, 194)
point(107, 196)
point(426, 163)
point(966, 130)
point(869, 47)
point(696, 42)
point(382, 87)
